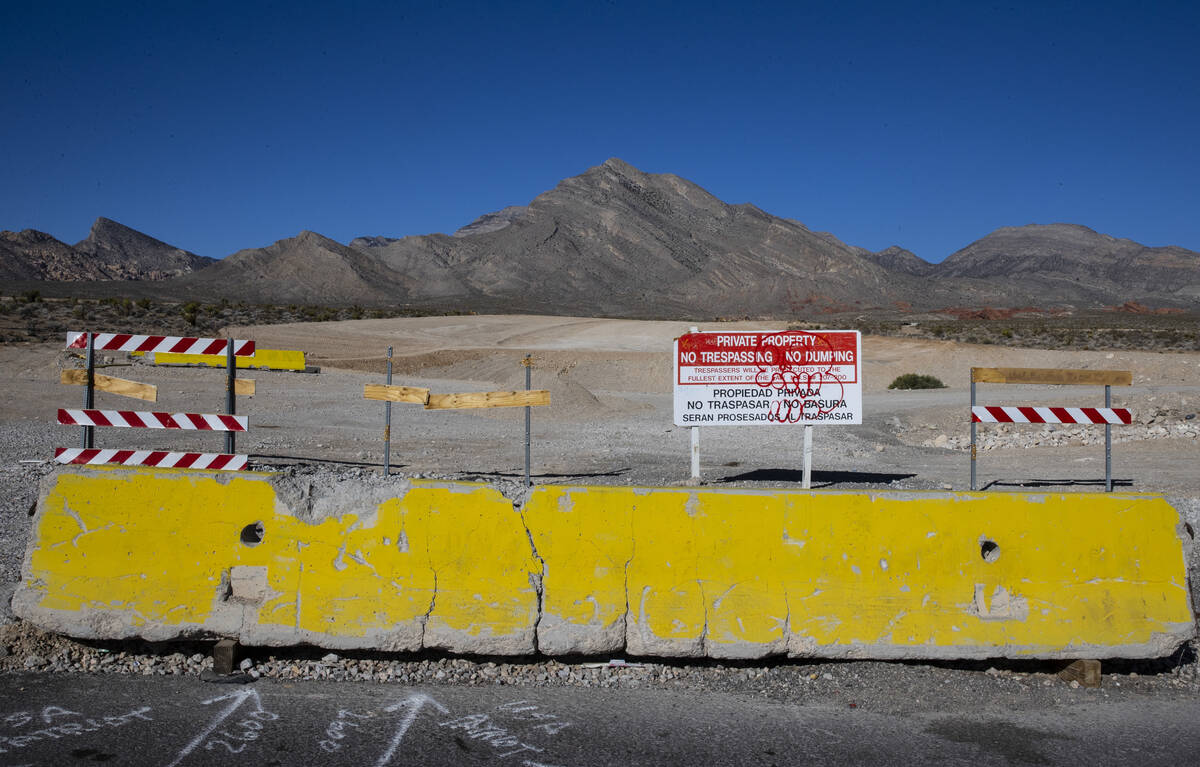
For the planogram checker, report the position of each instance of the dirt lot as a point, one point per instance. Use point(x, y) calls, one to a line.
point(610, 417)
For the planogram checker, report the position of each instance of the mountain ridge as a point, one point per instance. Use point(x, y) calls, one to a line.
point(111, 251)
point(616, 241)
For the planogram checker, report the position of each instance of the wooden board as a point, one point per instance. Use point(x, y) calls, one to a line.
point(243, 387)
point(533, 398)
point(1052, 376)
point(386, 393)
point(77, 377)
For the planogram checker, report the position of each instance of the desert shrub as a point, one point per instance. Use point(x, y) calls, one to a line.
point(189, 311)
point(916, 381)
point(122, 306)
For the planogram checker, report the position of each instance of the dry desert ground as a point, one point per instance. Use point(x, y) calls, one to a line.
point(610, 417)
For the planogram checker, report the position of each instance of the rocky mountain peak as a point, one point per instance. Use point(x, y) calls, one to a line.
point(127, 254)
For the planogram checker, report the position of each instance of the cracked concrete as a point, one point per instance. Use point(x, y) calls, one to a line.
point(676, 572)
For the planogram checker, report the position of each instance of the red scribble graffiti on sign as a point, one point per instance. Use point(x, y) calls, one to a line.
point(789, 377)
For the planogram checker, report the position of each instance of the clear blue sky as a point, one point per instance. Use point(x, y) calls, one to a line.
point(220, 126)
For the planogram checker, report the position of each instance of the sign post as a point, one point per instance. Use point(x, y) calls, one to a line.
point(387, 422)
point(806, 481)
point(89, 393)
point(528, 363)
point(695, 434)
point(765, 378)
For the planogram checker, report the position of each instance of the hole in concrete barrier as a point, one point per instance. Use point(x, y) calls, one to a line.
point(989, 550)
point(252, 534)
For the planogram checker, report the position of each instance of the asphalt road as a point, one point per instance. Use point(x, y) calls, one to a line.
point(81, 719)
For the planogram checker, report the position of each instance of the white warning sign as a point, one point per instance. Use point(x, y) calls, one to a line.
point(768, 377)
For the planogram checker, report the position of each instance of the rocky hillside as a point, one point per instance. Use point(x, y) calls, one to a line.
point(613, 241)
point(33, 255)
point(111, 251)
point(1066, 263)
point(127, 254)
point(306, 269)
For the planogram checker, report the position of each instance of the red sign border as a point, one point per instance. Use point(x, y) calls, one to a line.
point(679, 366)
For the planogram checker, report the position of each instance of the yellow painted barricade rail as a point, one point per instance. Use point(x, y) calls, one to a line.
point(675, 572)
point(263, 359)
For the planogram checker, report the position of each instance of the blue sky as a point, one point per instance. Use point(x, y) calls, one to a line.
point(220, 126)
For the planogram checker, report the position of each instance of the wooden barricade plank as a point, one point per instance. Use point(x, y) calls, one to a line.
point(534, 398)
point(389, 393)
point(78, 377)
point(1052, 376)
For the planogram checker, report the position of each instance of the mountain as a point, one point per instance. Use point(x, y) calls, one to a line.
point(308, 268)
point(1067, 263)
point(615, 241)
point(127, 254)
point(33, 255)
point(111, 251)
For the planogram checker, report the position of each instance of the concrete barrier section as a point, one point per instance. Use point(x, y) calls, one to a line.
point(724, 573)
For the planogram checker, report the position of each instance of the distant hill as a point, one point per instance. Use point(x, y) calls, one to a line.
point(111, 251)
point(615, 241)
point(1067, 263)
point(307, 269)
point(897, 259)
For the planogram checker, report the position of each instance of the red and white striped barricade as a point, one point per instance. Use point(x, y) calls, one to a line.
point(990, 414)
point(1106, 415)
point(88, 417)
point(160, 458)
point(128, 342)
point(150, 420)
point(142, 419)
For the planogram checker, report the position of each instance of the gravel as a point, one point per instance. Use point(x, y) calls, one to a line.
point(905, 687)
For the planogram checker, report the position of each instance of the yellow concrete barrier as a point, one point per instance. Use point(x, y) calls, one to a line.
point(263, 359)
point(728, 573)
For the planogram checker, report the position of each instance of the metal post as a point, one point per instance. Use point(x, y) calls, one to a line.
point(1107, 442)
point(528, 384)
point(695, 430)
point(86, 438)
point(972, 430)
point(808, 434)
point(387, 422)
point(695, 452)
point(230, 391)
